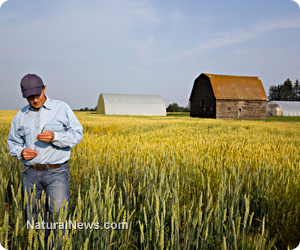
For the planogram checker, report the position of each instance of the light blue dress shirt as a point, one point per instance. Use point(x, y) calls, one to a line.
point(55, 116)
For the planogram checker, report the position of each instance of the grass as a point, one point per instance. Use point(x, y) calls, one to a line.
point(179, 183)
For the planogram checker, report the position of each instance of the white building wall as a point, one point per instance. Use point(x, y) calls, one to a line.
point(288, 108)
point(118, 104)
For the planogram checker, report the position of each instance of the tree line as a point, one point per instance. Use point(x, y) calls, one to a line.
point(286, 91)
point(174, 107)
point(86, 109)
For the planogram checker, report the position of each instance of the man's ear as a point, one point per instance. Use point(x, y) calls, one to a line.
point(45, 89)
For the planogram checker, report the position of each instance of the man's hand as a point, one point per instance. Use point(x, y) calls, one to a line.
point(47, 136)
point(28, 153)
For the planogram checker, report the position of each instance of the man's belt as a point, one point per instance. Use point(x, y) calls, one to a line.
point(46, 166)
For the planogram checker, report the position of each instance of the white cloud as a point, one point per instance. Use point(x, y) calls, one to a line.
point(234, 37)
point(79, 30)
point(176, 15)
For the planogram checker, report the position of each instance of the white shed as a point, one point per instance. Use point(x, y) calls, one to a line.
point(119, 104)
point(283, 108)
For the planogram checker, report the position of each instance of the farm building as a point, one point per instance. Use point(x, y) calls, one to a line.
point(228, 97)
point(119, 104)
point(283, 108)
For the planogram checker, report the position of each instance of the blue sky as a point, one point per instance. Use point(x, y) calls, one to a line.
point(82, 48)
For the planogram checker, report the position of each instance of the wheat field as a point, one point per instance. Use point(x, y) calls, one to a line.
point(178, 183)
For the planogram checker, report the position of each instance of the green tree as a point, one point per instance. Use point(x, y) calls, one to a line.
point(286, 93)
point(273, 93)
point(174, 107)
point(296, 91)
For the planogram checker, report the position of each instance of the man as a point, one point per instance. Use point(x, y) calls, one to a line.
point(41, 136)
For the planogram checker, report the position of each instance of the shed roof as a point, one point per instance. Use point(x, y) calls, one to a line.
point(289, 108)
point(236, 87)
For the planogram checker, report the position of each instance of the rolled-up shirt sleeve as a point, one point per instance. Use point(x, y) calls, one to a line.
point(15, 141)
point(73, 133)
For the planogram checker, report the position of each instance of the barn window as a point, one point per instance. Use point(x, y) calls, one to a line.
point(229, 109)
point(254, 110)
point(240, 113)
point(211, 108)
point(204, 108)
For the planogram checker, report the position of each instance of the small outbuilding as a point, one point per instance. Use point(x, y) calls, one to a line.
point(228, 97)
point(283, 108)
point(120, 104)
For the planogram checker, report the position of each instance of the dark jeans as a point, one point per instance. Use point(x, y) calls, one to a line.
point(54, 184)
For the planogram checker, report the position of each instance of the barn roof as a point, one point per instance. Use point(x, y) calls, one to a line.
point(289, 108)
point(236, 87)
point(130, 104)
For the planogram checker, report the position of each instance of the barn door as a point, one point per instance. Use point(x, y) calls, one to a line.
point(239, 113)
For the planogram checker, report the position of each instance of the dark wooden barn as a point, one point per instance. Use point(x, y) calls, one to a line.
point(228, 97)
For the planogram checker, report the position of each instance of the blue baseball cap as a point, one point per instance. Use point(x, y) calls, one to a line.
point(31, 84)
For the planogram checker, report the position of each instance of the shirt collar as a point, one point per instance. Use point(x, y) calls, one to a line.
point(46, 105)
